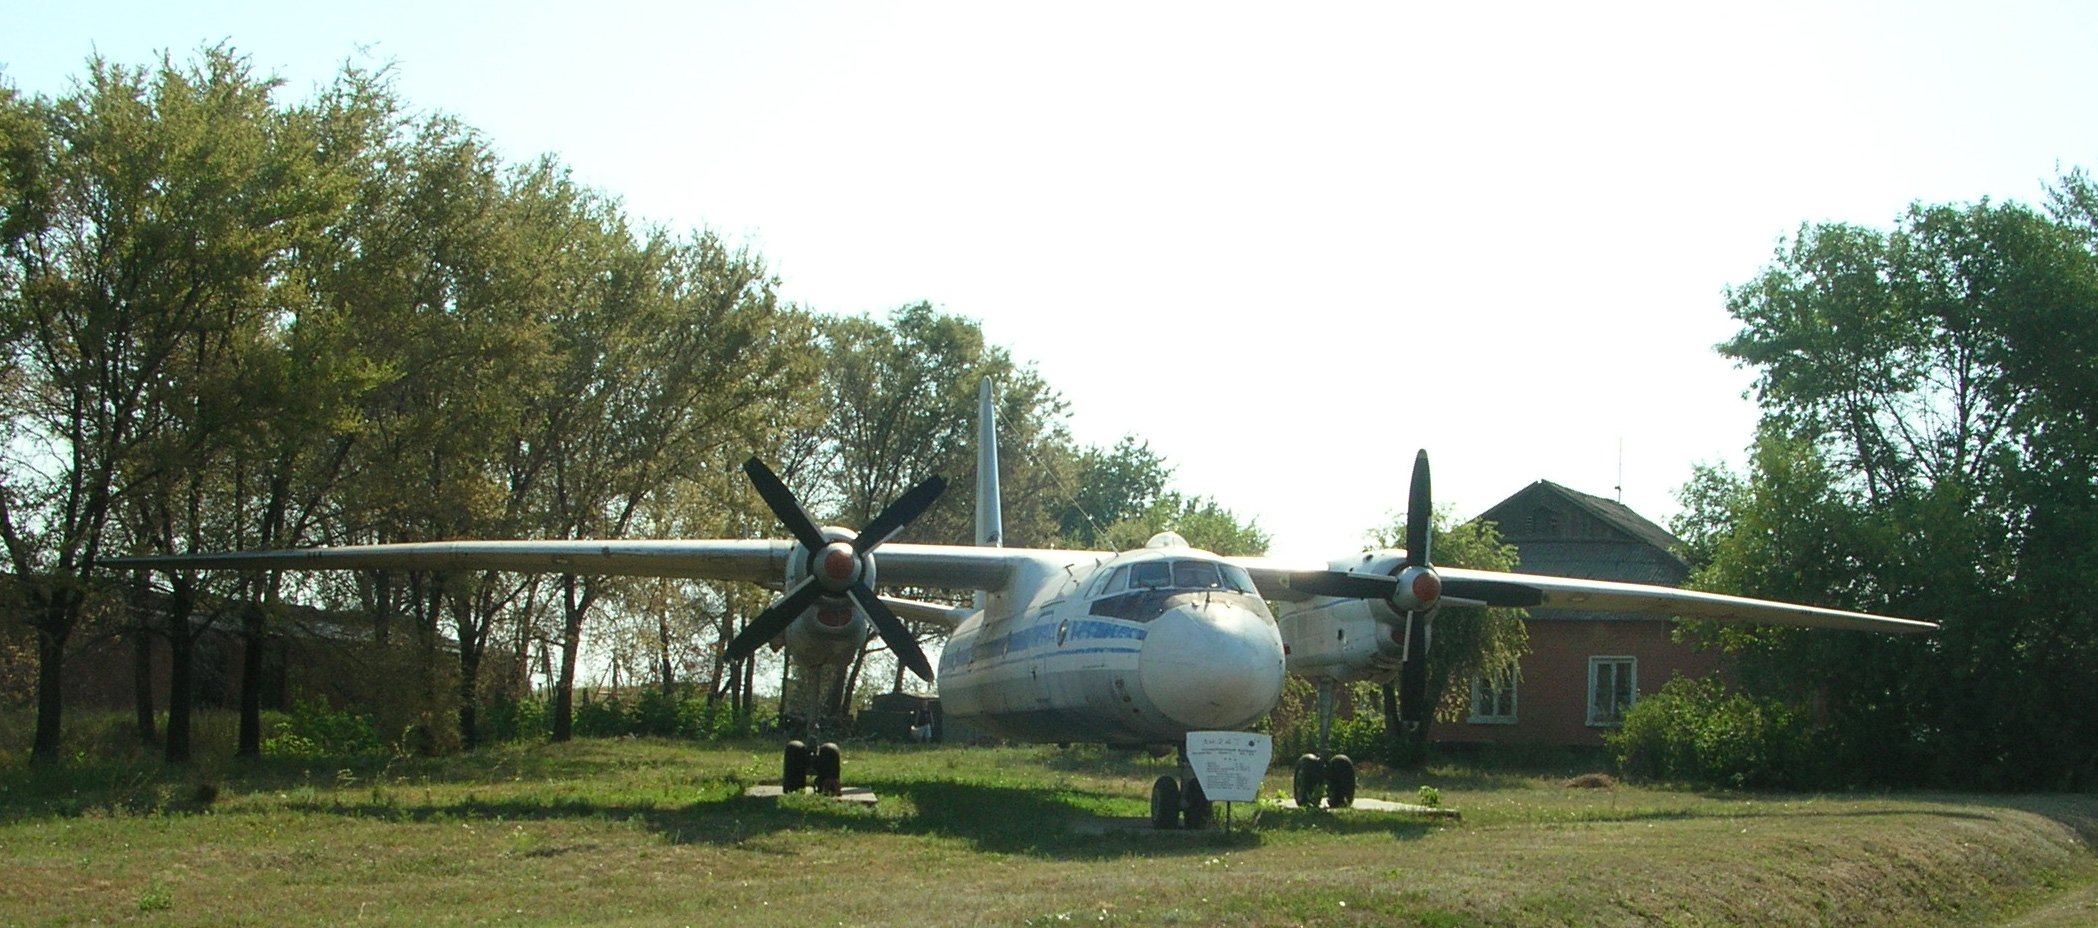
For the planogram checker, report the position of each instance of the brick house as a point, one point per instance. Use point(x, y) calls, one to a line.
point(1584, 669)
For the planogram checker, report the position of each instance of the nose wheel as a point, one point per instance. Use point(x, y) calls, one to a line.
point(799, 765)
point(1177, 803)
point(1329, 779)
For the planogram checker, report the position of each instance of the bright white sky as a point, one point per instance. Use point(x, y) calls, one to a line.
point(1288, 244)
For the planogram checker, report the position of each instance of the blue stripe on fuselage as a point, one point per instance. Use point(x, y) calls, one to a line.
point(1017, 645)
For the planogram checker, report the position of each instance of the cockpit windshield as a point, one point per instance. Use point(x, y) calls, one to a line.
point(1179, 575)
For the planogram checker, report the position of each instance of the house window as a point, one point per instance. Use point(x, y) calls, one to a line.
point(1613, 685)
point(1493, 701)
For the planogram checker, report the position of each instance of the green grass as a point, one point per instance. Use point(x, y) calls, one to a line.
point(658, 833)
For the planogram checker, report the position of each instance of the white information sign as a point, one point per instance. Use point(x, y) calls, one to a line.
point(1230, 764)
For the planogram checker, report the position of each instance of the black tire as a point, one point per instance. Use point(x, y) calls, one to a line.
point(1340, 782)
point(1200, 812)
point(830, 767)
point(1165, 803)
point(794, 768)
point(1308, 781)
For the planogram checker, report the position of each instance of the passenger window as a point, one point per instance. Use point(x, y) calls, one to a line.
point(1150, 575)
point(1195, 575)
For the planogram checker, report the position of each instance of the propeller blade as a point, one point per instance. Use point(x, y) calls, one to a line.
point(1342, 584)
point(784, 505)
point(774, 619)
point(900, 513)
point(1420, 513)
point(892, 631)
point(1413, 675)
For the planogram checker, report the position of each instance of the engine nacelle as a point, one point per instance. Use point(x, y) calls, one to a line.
point(1342, 639)
point(833, 630)
point(1351, 640)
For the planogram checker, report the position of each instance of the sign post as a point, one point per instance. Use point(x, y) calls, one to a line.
point(1230, 765)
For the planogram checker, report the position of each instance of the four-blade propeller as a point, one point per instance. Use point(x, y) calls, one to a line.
point(836, 569)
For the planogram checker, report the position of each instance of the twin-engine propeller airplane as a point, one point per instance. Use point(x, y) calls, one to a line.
point(1131, 648)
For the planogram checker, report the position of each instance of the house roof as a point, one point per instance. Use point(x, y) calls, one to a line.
point(1562, 532)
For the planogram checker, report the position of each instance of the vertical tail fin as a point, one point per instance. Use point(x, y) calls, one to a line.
point(990, 519)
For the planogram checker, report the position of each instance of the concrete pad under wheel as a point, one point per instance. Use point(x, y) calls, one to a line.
point(859, 794)
point(1366, 804)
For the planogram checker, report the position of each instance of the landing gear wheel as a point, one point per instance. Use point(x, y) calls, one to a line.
point(1199, 811)
point(1165, 803)
point(829, 765)
point(1340, 782)
point(1308, 781)
point(794, 769)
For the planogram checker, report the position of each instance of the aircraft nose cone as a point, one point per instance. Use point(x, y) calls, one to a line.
point(1212, 666)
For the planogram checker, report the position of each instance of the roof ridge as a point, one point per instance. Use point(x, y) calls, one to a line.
point(1615, 513)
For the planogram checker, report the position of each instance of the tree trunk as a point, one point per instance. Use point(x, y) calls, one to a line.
point(254, 637)
point(575, 602)
point(51, 635)
point(470, 618)
point(469, 673)
point(142, 683)
point(663, 655)
point(182, 654)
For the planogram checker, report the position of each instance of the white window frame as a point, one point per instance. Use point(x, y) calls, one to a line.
point(1625, 679)
point(1484, 704)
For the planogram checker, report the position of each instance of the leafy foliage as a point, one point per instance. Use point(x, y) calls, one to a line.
point(313, 730)
point(1919, 456)
point(1695, 731)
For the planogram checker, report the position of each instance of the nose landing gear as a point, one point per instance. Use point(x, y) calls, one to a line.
point(1331, 779)
point(799, 764)
point(1177, 801)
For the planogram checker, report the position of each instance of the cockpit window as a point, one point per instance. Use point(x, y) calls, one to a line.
point(1152, 584)
point(1150, 575)
point(1195, 575)
point(1117, 582)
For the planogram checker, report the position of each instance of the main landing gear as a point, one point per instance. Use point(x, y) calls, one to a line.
point(800, 764)
point(1331, 779)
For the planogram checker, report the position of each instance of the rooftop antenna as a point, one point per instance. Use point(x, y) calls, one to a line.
point(1620, 470)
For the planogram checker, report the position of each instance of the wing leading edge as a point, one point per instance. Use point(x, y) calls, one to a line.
point(936, 566)
point(1608, 596)
point(1296, 582)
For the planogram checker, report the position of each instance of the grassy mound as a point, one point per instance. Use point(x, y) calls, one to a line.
point(653, 832)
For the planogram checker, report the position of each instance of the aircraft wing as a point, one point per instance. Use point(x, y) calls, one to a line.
point(1296, 582)
point(1536, 591)
point(940, 614)
point(757, 561)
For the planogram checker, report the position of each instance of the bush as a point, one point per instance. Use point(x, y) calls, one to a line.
point(314, 730)
point(516, 719)
point(649, 712)
point(1693, 731)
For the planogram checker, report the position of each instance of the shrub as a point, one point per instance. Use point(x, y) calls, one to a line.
point(515, 719)
point(314, 730)
point(1693, 731)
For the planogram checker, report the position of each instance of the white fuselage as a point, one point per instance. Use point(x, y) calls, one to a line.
point(1135, 648)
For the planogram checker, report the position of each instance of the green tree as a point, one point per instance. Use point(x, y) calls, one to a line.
point(1920, 455)
point(1204, 522)
point(1112, 484)
point(156, 224)
point(902, 395)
